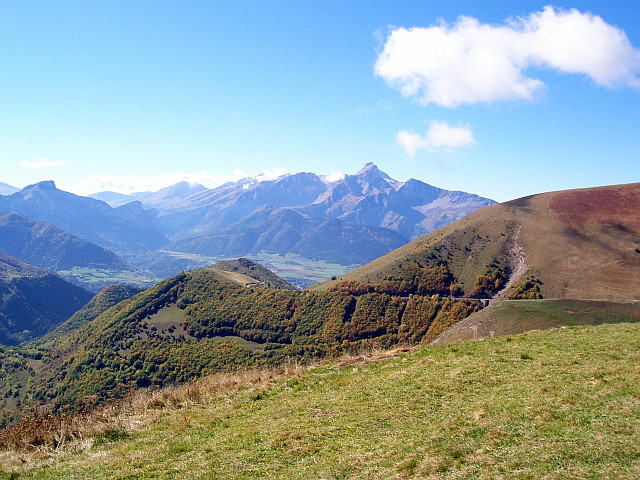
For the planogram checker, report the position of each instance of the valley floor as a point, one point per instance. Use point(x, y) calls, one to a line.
point(558, 404)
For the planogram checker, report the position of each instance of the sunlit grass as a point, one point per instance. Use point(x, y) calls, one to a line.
point(557, 404)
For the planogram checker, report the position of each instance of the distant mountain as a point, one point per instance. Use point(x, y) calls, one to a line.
point(46, 246)
point(175, 197)
point(411, 208)
point(168, 197)
point(125, 230)
point(116, 199)
point(33, 301)
point(77, 261)
point(369, 197)
point(284, 230)
point(6, 189)
point(346, 221)
point(579, 244)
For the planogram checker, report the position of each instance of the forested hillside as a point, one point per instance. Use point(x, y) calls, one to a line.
point(33, 301)
point(101, 302)
point(198, 323)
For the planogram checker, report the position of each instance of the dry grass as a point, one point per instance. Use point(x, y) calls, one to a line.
point(557, 405)
point(46, 435)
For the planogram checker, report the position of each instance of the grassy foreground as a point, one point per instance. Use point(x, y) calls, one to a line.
point(558, 404)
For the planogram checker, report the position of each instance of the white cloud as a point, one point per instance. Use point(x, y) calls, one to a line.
point(334, 177)
point(41, 163)
point(469, 62)
point(269, 174)
point(439, 136)
point(130, 183)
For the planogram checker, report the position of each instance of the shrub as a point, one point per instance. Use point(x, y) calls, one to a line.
point(487, 285)
point(528, 289)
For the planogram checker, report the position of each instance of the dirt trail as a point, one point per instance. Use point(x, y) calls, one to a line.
point(239, 278)
point(519, 266)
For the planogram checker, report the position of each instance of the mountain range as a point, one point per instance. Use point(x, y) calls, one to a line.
point(370, 197)
point(83, 263)
point(46, 246)
point(125, 230)
point(6, 189)
point(284, 230)
point(347, 221)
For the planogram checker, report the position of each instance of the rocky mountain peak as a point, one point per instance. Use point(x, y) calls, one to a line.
point(372, 180)
point(44, 185)
point(371, 170)
point(6, 189)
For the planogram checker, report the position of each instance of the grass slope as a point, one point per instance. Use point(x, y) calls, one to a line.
point(557, 404)
point(511, 317)
point(254, 271)
point(581, 243)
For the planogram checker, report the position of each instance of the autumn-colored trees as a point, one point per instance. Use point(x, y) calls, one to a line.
point(529, 288)
point(122, 351)
point(487, 285)
point(412, 279)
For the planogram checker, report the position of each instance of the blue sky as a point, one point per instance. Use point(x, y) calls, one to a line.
point(133, 96)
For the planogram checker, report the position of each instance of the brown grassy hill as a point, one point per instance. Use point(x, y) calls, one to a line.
point(581, 244)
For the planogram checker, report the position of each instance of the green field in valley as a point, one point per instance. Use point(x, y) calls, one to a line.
point(299, 271)
point(95, 279)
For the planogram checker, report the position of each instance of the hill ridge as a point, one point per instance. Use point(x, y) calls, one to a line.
point(33, 300)
point(582, 243)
